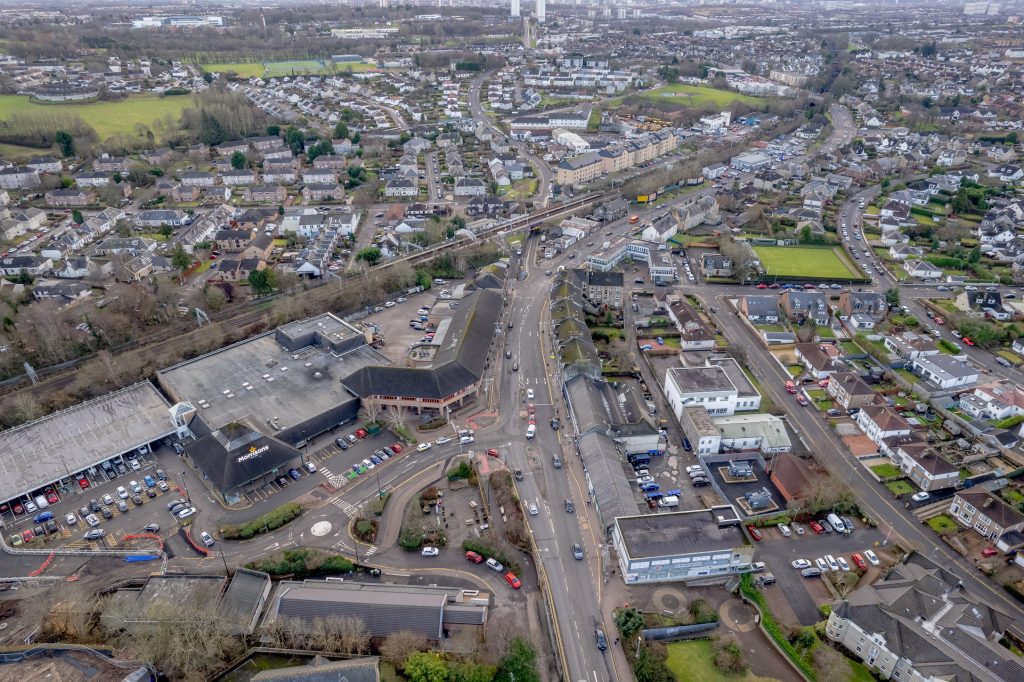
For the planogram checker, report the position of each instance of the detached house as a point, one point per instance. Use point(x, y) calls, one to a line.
point(760, 309)
point(401, 188)
point(879, 422)
point(715, 265)
point(924, 467)
point(993, 401)
point(919, 269)
point(805, 305)
point(944, 371)
point(849, 390)
point(985, 513)
point(814, 357)
point(867, 302)
point(910, 346)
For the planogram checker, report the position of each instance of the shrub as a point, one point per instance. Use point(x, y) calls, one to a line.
point(302, 563)
point(729, 656)
point(272, 520)
point(772, 627)
point(488, 551)
point(377, 506)
point(703, 612)
point(461, 471)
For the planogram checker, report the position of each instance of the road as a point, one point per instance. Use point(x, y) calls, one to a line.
point(544, 174)
point(434, 186)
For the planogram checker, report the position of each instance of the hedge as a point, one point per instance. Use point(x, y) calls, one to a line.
point(772, 627)
point(488, 552)
point(272, 520)
point(302, 563)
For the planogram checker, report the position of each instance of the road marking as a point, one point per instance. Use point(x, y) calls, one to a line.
point(347, 507)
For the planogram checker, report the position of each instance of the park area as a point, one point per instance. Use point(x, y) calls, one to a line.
point(106, 118)
point(697, 95)
point(810, 262)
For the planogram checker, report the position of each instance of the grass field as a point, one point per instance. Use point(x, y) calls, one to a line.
point(943, 524)
point(107, 118)
point(696, 95)
point(13, 151)
point(805, 261)
point(696, 661)
point(243, 69)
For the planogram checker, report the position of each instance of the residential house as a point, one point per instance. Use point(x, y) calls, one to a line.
point(135, 269)
point(182, 193)
point(760, 309)
point(484, 205)
point(19, 177)
point(112, 164)
point(265, 193)
point(879, 422)
point(264, 142)
point(68, 198)
point(944, 371)
point(816, 358)
point(197, 179)
point(925, 468)
point(470, 187)
point(80, 267)
point(157, 157)
point(237, 177)
point(984, 512)
point(868, 302)
point(993, 401)
point(919, 623)
point(319, 176)
point(261, 246)
point(112, 246)
point(695, 335)
point(805, 305)
point(849, 390)
point(910, 345)
point(56, 290)
point(156, 217)
point(901, 252)
point(233, 241)
point(330, 161)
point(45, 164)
point(323, 192)
point(602, 288)
point(279, 175)
point(919, 269)
point(401, 188)
point(33, 265)
point(715, 265)
point(229, 148)
point(238, 270)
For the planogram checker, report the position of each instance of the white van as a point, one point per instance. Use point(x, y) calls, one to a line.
point(669, 501)
point(531, 431)
point(836, 523)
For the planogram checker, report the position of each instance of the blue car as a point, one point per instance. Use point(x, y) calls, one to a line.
point(686, 444)
point(294, 473)
point(375, 459)
point(43, 518)
point(649, 487)
point(150, 483)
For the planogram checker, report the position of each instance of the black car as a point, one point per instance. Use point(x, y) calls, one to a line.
point(107, 514)
point(161, 475)
point(83, 511)
point(341, 443)
point(602, 641)
point(171, 505)
point(555, 423)
point(282, 481)
point(51, 526)
point(94, 505)
point(177, 507)
point(686, 444)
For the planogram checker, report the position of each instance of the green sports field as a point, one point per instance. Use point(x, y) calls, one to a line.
point(696, 95)
point(807, 261)
point(243, 69)
point(107, 118)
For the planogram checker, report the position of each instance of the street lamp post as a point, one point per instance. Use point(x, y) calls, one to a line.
point(185, 488)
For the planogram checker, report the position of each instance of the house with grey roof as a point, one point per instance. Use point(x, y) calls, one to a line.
point(760, 309)
point(805, 305)
point(919, 622)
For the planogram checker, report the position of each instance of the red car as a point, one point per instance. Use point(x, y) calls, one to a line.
point(968, 341)
point(492, 452)
point(859, 560)
point(816, 527)
point(474, 557)
point(989, 551)
point(762, 285)
point(396, 448)
point(939, 320)
point(361, 433)
point(529, 408)
point(802, 400)
point(754, 533)
point(18, 510)
point(512, 580)
point(83, 483)
point(52, 498)
point(27, 535)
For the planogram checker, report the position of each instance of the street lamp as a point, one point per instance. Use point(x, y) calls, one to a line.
point(185, 488)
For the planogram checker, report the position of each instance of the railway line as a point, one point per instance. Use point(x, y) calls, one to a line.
point(183, 336)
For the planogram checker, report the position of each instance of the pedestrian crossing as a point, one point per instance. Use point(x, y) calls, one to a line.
point(370, 552)
point(336, 480)
point(347, 507)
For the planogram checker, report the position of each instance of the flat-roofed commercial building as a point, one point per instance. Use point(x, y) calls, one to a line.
point(699, 544)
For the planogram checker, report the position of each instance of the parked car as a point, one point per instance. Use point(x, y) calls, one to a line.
point(206, 538)
point(989, 552)
point(474, 557)
point(784, 529)
point(494, 565)
point(871, 557)
point(186, 512)
point(512, 580)
point(294, 473)
point(920, 497)
point(95, 534)
point(843, 564)
point(800, 563)
point(754, 533)
point(858, 560)
point(811, 572)
point(816, 527)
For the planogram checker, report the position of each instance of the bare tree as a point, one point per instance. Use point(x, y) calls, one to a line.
point(400, 645)
point(370, 410)
point(397, 418)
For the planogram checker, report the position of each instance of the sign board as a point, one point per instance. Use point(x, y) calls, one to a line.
point(253, 453)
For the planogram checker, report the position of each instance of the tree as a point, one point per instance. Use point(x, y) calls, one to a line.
point(399, 646)
point(426, 667)
point(520, 663)
point(260, 282)
point(181, 260)
point(468, 671)
point(892, 296)
point(650, 666)
point(341, 131)
point(830, 665)
point(370, 410)
point(238, 160)
point(370, 255)
point(166, 230)
point(629, 621)
point(295, 139)
point(273, 130)
point(322, 148)
point(207, 76)
point(66, 142)
point(974, 255)
point(76, 216)
point(211, 132)
point(215, 298)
